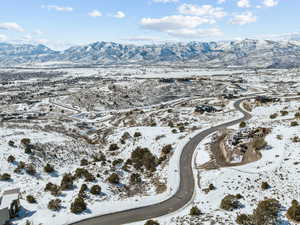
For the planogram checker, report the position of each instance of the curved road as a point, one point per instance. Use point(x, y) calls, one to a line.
point(181, 197)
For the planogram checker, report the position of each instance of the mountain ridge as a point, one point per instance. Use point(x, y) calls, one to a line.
point(244, 53)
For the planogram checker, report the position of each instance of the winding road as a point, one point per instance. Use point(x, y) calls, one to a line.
point(184, 193)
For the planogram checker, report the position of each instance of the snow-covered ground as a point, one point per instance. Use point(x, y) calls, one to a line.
point(278, 167)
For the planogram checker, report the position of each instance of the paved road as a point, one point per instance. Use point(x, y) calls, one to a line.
point(182, 196)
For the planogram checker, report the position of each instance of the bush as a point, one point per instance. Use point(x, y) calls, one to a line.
point(195, 211)
point(11, 143)
point(113, 147)
point(142, 157)
point(284, 113)
point(114, 178)
point(81, 172)
point(53, 188)
point(243, 124)
point(49, 168)
point(273, 116)
point(25, 141)
point(151, 222)
point(294, 124)
point(135, 178)
point(96, 190)
point(297, 115)
point(11, 159)
point(117, 162)
point(67, 182)
point(229, 203)
point(84, 162)
point(30, 199)
point(137, 134)
point(259, 143)
point(28, 149)
point(293, 212)
point(266, 212)
point(78, 206)
point(54, 205)
point(167, 149)
point(30, 169)
point(265, 186)
point(126, 136)
point(5, 177)
point(244, 219)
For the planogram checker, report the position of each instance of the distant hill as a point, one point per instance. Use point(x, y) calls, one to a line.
point(245, 53)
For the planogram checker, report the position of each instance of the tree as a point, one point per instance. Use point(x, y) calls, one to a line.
point(78, 206)
point(96, 190)
point(195, 211)
point(114, 178)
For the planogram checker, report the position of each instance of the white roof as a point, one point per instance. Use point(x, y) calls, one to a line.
point(8, 197)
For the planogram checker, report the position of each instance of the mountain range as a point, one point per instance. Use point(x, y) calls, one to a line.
point(244, 53)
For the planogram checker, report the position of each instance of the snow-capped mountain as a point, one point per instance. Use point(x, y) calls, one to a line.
point(247, 53)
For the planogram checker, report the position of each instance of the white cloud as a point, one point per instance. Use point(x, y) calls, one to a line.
point(3, 38)
point(95, 13)
point(204, 10)
point(244, 18)
point(11, 26)
point(165, 1)
point(141, 39)
point(58, 8)
point(270, 3)
point(195, 33)
point(243, 4)
point(119, 15)
point(221, 1)
point(181, 26)
point(38, 32)
point(174, 22)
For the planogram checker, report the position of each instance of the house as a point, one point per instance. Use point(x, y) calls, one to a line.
point(205, 108)
point(9, 205)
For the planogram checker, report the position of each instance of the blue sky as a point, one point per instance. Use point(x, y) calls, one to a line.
point(61, 23)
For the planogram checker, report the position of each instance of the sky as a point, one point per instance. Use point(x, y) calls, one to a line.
point(62, 23)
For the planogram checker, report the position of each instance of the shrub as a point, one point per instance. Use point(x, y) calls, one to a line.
point(294, 124)
point(284, 113)
point(117, 162)
point(78, 206)
point(54, 204)
point(171, 124)
point(11, 159)
point(67, 182)
point(113, 147)
point(273, 116)
point(195, 211)
point(266, 212)
point(137, 134)
point(265, 186)
point(30, 199)
point(96, 190)
point(126, 136)
point(11, 143)
point(293, 212)
point(244, 219)
point(53, 188)
point(21, 165)
point(5, 177)
point(229, 203)
point(142, 157)
point(30, 169)
point(174, 131)
point(25, 141)
point(297, 115)
point(181, 128)
point(243, 124)
point(151, 222)
point(84, 162)
point(259, 143)
point(135, 178)
point(28, 149)
point(167, 149)
point(114, 178)
point(49, 168)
